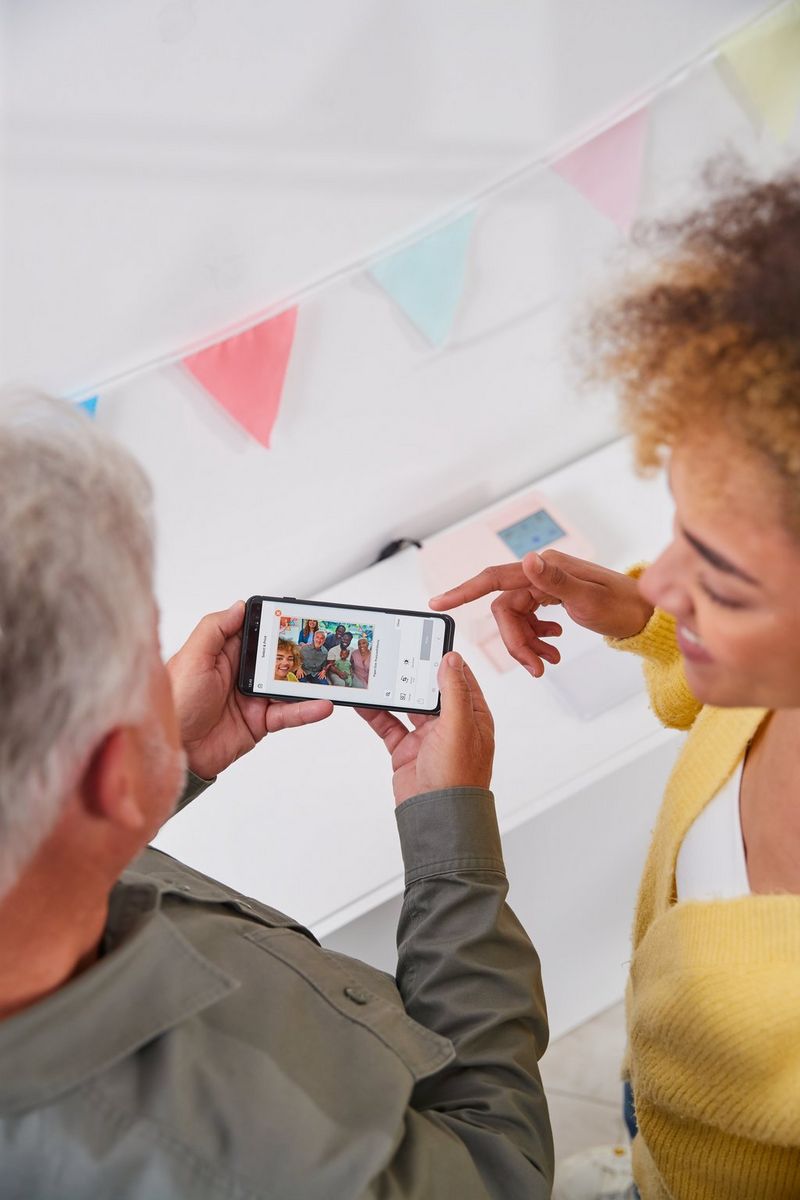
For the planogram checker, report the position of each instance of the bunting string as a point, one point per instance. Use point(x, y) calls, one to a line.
point(423, 271)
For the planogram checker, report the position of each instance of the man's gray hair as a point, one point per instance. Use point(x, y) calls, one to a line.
point(76, 608)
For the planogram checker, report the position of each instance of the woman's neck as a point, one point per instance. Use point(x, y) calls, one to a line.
point(770, 804)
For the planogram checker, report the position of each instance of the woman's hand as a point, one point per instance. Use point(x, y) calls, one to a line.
point(218, 724)
point(602, 600)
point(454, 749)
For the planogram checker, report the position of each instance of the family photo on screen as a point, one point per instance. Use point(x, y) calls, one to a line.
point(323, 652)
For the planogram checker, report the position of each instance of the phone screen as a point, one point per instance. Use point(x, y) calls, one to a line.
point(305, 649)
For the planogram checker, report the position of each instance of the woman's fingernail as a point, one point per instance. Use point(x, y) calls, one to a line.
point(455, 661)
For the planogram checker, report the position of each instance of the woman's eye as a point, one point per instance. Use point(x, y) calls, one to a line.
point(717, 599)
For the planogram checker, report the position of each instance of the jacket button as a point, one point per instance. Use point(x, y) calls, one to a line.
point(356, 995)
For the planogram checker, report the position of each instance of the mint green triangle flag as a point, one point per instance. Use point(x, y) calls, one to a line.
point(426, 280)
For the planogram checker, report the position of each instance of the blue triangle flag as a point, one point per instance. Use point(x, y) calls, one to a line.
point(89, 405)
point(426, 280)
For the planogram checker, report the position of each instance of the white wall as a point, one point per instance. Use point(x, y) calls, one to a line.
point(175, 165)
point(172, 168)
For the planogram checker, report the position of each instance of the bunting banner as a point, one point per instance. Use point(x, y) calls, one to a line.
point(765, 64)
point(426, 280)
point(608, 169)
point(245, 373)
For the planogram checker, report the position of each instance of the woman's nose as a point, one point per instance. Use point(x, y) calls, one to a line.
point(662, 584)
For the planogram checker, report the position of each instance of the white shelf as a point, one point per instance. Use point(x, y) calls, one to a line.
point(305, 822)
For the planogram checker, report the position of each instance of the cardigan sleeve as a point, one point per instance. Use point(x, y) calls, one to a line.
point(670, 697)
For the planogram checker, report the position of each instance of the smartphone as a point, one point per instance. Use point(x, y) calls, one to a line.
point(350, 654)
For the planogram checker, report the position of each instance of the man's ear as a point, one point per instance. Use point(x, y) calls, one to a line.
point(109, 785)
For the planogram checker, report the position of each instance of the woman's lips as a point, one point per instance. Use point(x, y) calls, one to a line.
point(691, 647)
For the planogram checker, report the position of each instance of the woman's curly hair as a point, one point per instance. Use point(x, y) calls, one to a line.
point(711, 338)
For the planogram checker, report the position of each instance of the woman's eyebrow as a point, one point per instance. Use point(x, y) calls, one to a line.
point(717, 560)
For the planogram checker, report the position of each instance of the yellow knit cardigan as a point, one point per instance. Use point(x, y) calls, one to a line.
point(713, 1002)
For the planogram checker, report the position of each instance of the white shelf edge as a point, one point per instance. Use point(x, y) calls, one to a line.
point(391, 888)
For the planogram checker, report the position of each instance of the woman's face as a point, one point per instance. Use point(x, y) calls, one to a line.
point(731, 578)
point(284, 663)
point(363, 645)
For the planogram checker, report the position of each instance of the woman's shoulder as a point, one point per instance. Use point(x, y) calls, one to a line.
point(716, 742)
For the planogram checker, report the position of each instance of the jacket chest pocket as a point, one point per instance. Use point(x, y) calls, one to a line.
point(350, 999)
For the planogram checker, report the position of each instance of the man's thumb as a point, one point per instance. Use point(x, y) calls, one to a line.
point(456, 695)
point(230, 621)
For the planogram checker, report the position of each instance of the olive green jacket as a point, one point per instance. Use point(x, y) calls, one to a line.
point(216, 1050)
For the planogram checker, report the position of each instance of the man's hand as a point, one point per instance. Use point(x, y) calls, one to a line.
point(602, 600)
point(218, 724)
point(454, 749)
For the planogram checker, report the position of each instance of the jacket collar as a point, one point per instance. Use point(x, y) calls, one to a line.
point(151, 979)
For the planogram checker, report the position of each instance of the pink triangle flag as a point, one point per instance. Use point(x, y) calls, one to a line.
point(608, 169)
point(245, 373)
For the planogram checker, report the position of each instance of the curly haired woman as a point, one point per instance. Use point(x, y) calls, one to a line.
point(706, 351)
point(288, 663)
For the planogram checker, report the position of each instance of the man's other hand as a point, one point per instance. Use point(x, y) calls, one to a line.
point(218, 724)
point(454, 749)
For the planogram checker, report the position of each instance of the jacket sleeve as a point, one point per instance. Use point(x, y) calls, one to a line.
point(670, 697)
point(193, 787)
point(479, 1127)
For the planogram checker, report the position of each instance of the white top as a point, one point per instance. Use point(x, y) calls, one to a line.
point(711, 861)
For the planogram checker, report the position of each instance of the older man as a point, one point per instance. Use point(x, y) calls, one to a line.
point(315, 659)
point(162, 1036)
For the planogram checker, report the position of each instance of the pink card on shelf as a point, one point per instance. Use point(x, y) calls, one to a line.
point(503, 534)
